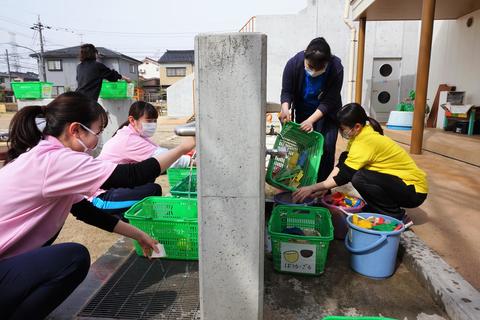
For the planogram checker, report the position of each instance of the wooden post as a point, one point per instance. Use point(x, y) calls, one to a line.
point(428, 14)
point(360, 60)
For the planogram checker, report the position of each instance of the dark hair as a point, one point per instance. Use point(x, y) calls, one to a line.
point(354, 113)
point(88, 52)
point(137, 110)
point(66, 108)
point(318, 53)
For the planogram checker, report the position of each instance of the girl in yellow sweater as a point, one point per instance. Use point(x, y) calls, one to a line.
point(382, 172)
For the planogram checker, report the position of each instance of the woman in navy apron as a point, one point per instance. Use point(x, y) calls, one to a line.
point(311, 85)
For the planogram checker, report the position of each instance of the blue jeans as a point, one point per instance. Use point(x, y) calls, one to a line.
point(34, 283)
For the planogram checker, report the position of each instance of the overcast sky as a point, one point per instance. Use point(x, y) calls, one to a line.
point(136, 28)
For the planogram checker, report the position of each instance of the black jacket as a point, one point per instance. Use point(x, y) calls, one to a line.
point(294, 76)
point(90, 74)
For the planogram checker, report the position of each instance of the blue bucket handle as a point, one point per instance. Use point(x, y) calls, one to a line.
point(382, 239)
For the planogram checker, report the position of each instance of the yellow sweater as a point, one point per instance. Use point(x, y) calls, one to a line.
point(372, 151)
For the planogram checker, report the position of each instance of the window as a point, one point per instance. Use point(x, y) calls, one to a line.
point(177, 72)
point(57, 90)
point(54, 65)
point(133, 69)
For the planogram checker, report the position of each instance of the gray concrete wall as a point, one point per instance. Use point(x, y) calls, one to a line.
point(230, 98)
point(180, 98)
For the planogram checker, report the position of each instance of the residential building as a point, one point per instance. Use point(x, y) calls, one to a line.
point(175, 65)
point(61, 66)
point(16, 76)
point(149, 69)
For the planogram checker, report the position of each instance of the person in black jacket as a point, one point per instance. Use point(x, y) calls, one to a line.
point(90, 73)
point(311, 86)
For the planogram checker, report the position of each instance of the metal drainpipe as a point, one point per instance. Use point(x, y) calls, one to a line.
point(351, 58)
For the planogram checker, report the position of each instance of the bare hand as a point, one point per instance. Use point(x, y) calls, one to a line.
point(148, 244)
point(188, 143)
point(319, 194)
point(301, 194)
point(284, 115)
point(307, 126)
point(127, 79)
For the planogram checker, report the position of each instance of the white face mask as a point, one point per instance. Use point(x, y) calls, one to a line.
point(85, 148)
point(148, 129)
point(314, 74)
point(346, 134)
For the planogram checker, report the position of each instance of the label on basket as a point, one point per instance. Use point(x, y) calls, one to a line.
point(298, 257)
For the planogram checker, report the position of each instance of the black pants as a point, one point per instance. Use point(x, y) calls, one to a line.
point(117, 201)
point(386, 194)
point(329, 131)
point(33, 284)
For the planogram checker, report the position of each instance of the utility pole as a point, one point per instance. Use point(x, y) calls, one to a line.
point(8, 68)
point(39, 27)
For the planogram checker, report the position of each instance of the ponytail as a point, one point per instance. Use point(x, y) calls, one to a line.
point(65, 109)
point(126, 123)
point(354, 113)
point(23, 131)
point(375, 125)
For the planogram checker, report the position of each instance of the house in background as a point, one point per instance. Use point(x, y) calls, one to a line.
point(175, 65)
point(149, 69)
point(16, 76)
point(61, 66)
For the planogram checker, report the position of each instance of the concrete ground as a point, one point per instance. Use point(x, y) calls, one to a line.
point(449, 220)
point(341, 291)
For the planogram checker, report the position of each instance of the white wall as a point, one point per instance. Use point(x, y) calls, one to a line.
point(456, 57)
point(180, 98)
point(149, 69)
point(289, 34)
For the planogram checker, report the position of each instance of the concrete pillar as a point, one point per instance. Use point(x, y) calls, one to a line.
point(423, 68)
point(230, 104)
point(117, 114)
point(360, 60)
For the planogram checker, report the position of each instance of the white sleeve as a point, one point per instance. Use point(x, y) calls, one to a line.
point(182, 162)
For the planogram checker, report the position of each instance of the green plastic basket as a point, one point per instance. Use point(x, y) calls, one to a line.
point(185, 188)
point(32, 90)
point(116, 90)
point(355, 318)
point(172, 221)
point(175, 175)
point(306, 145)
point(295, 253)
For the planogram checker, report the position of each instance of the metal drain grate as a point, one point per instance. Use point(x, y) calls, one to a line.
point(143, 289)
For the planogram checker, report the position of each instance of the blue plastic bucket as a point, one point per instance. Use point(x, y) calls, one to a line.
point(374, 253)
